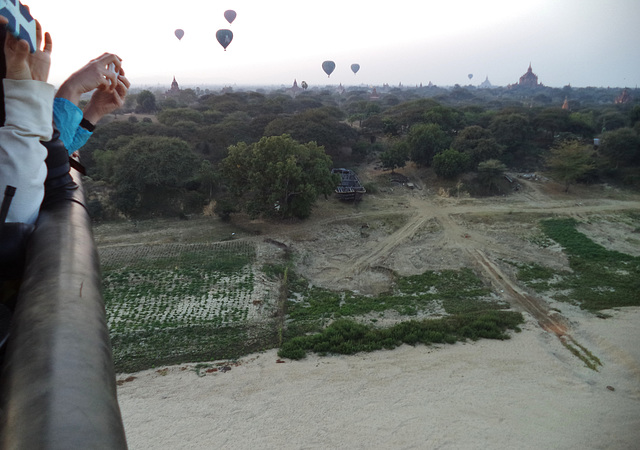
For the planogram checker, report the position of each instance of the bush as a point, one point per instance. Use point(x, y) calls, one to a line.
point(347, 337)
point(450, 163)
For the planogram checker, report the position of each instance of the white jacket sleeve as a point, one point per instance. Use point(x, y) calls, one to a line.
point(28, 120)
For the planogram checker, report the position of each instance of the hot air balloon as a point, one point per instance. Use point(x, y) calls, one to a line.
point(230, 15)
point(304, 85)
point(224, 37)
point(355, 68)
point(179, 33)
point(470, 76)
point(328, 67)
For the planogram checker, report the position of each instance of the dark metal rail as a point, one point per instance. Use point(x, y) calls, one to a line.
point(58, 389)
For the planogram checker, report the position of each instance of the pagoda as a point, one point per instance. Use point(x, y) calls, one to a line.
point(625, 97)
point(529, 79)
point(486, 84)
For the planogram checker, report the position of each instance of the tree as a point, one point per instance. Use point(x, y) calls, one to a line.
point(278, 176)
point(621, 147)
point(425, 140)
point(408, 113)
point(478, 143)
point(395, 156)
point(450, 163)
point(490, 173)
point(208, 178)
point(449, 119)
point(612, 120)
point(322, 126)
point(146, 102)
point(173, 115)
point(551, 121)
point(511, 130)
point(569, 161)
point(150, 174)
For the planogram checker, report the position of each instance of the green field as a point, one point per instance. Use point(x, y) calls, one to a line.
point(599, 278)
point(176, 303)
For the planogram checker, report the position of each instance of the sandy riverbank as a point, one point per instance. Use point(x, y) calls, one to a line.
point(528, 392)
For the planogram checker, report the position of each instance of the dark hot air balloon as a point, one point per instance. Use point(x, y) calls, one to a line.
point(355, 68)
point(179, 33)
point(470, 76)
point(304, 85)
point(328, 67)
point(230, 15)
point(224, 37)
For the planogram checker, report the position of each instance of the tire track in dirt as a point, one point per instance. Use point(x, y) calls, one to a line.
point(551, 322)
point(474, 244)
point(378, 255)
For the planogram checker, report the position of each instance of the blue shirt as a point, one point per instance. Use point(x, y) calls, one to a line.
point(67, 118)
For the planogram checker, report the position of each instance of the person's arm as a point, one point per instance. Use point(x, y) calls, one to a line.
point(28, 121)
point(110, 90)
point(28, 102)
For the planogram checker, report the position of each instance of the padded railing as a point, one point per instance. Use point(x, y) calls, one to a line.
point(58, 389)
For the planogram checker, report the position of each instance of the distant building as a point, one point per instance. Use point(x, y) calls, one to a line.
point(625, 97)
point(293, 90)
point(565, 105)
point(374, 95)
point(174, 90)
point(486, 84)
point(529, 79)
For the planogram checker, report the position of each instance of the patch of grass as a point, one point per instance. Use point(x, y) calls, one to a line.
point(456, 291)
point(372, 188)
point(530, 272)
point(348, 337)
point(601, 278)
point(141, 350)
point(460, 292)
point(274, 271)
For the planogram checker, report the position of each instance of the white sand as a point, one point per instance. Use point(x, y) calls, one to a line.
point(528, 392)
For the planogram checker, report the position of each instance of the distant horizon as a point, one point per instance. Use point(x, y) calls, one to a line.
point(189, 85)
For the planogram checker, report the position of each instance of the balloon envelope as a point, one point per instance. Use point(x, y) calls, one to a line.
point(230, 15)
point(179, 33)
point(355, 67)
point(470, 76)
point(224, 37)
point(328, 67)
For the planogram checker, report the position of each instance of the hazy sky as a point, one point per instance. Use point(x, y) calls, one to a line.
point(581, 42)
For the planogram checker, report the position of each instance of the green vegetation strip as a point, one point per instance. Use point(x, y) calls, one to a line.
point(347, 336)
point(600, 278)
point(470, 314)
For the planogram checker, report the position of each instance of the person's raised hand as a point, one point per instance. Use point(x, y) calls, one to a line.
point(21, 63)
point(96, 74)
point(16, 53)
point(40, 61)
point(105, 100)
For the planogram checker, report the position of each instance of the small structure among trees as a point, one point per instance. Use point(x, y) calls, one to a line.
point(349, 187)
